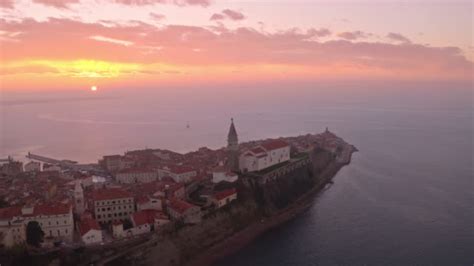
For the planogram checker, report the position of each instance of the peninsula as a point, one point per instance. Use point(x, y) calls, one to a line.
point(158, 207)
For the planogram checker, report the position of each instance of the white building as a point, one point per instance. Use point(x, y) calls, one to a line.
point(221, 173)
point(264, 155)
point(147, 220)
point(179, 173)
point(185, 211)
point(32, 166)
point(136, 175)
point(12, 226)
point(112, 204)
point(149, 203)
point(56, 220)
point(90, 231)
point(222, 198)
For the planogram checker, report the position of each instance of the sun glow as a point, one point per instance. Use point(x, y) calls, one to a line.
point(94, 88)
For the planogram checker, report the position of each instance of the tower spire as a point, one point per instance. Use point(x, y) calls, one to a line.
point(232, 136)
point(232, 148)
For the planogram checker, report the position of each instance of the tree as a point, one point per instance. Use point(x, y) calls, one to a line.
point(34, 234)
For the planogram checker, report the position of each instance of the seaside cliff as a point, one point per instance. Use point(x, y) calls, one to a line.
point(266, 200)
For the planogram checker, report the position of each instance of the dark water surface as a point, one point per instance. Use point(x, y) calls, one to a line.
point(406, 199)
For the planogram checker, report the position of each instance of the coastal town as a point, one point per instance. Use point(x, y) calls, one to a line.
point(49, 204)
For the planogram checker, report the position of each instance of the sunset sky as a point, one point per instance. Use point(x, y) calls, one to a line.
point(75, 44)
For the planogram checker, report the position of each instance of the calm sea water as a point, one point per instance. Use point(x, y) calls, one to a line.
point(406, 199)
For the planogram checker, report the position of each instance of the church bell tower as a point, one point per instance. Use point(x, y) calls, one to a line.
point(79, 198)
point(232, 148)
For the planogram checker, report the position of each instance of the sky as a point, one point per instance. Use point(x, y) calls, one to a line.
point(77, 44)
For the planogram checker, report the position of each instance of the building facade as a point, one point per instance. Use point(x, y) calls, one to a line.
point(179, 173)
point(112, 205)
point(265, 155)
point(136, 175)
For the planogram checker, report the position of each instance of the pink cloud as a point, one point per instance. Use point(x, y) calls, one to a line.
point(65, 39)
point(217, 16)
point(203, 3)
point(323, 32)
point(156, 16)
point(228, 14)
point(398, 37)
point(232, 14)
point(56, 3)
point(6, 4)
point(352, 35)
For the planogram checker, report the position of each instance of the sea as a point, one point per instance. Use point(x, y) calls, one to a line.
point(407, 198)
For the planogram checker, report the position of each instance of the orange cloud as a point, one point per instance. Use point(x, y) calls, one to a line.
point(147, 53)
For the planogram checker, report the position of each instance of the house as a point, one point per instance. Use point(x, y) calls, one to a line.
point(136, 175)
point(56, 221)
point(90, 231)
point(179, 173)
point(117, 229)
point(265, 155)
point(111, 163)
point(184, 211)
point(12, 227)
point(221, 173)
point(32, 166)
point(147, 220)
point(149, 203)
point(112, 204)
point(222, 198)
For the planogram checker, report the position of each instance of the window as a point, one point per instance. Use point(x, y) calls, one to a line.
point(98, 216)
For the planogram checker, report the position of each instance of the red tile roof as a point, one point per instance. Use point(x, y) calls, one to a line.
point(146, 217)
point(274, 144)
point(51, 209)
point(10, 212)
point(225, 193)
point(88, 224)
point(180, 206)
point(257, 150)
point(110, 193)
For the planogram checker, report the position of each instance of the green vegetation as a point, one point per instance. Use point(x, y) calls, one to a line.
point(34, 234)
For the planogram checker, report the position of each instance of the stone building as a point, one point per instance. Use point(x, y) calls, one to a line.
point(112, 204)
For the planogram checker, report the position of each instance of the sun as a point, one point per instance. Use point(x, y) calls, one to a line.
point(94, 88)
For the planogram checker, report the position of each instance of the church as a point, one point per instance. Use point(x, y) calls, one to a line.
point(260, 157)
